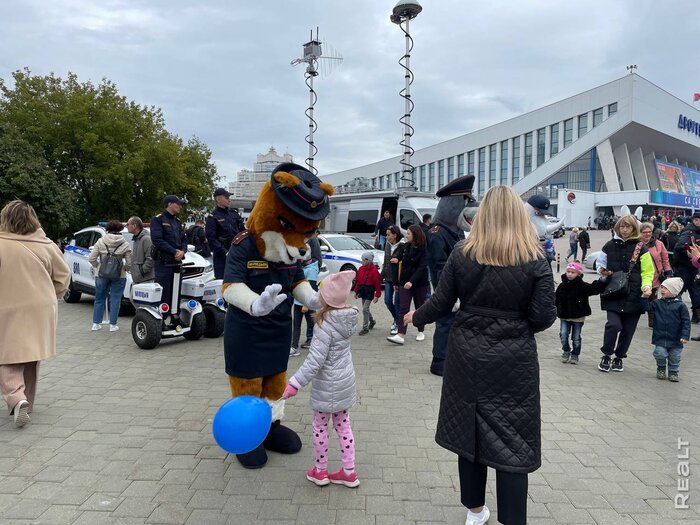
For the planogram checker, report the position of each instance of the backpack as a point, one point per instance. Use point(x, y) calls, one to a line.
point(110, 266)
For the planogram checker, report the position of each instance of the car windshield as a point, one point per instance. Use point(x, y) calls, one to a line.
point(348, 243)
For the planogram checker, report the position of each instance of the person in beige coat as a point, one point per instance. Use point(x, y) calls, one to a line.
point(115, 244)
point(33, 275)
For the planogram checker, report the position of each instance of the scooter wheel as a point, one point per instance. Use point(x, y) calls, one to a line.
point(146, 330)
point(215, 321)
point(197, 327)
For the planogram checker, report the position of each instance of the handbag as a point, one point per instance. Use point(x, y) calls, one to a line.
point(619, 283)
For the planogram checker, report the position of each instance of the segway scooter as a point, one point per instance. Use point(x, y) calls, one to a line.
point(214, 308)
point(156, 320)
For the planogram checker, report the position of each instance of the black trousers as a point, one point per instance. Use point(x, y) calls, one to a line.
point(164, 277)
point(688, 276)
point(219, 263)
point(624, 325)
point(511, 491)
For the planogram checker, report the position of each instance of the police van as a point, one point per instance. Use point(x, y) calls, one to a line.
point(358, 213)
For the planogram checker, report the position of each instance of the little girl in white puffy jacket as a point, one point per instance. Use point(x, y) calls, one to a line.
point(329, 369)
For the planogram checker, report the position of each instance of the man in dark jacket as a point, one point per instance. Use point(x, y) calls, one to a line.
point(427, 223)
point(445, 233)
point(221, 227)
point(584, 242)
point(170, 244)
point(684, 268)
point(381, 228)
point(197, 238)
point(141, 259)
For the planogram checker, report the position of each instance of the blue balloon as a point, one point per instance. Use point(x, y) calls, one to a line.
point(242, 423)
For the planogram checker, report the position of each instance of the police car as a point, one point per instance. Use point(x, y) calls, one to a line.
point(83, 273)
point(344, 252)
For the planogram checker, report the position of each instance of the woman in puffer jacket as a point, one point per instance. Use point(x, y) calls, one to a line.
point(329, 369)
point(112, 244)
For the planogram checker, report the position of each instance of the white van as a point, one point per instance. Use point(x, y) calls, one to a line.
point(358, 213)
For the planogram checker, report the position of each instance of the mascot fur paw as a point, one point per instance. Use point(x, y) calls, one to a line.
point(256, 347)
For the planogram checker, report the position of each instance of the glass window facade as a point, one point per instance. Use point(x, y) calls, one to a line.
point(540, 146)
point(582, 124)
point(528, 154)
point(492, 165)
point(516, 159)
point(423, 184)
point(482, 170)
point(597, 117)
point(612, 109)
point(582, 174)
point(504, 163)
point(431, 177)
point(450, 169)
point(470, 163)
point(440, 174)
point(554, 139)
point(460, 165)
point(568, 131)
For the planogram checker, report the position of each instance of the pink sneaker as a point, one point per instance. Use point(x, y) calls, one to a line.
point(341, 478)
point(319, 477)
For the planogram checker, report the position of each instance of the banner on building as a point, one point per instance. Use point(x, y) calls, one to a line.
point(674, 178)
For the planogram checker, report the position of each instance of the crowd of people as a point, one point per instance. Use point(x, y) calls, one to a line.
point(491, 298)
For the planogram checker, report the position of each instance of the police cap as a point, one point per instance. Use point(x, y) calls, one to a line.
point(221, 191)
point(540, 203)
point(307, 199)
point(459, 186)
point(171, 198)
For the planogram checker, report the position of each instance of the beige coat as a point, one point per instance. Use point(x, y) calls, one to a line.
point(32, 275)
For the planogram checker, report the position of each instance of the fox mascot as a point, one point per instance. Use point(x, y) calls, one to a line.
point(263, 275)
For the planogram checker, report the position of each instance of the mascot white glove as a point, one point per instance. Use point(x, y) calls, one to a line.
point(270, 299)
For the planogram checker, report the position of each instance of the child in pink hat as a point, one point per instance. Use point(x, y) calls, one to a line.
point(573, 308)
point(329, 369)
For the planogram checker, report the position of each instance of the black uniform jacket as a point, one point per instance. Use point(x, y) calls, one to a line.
point(258, 346)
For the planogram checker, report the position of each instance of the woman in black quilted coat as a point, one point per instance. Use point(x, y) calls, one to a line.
point(490, 405)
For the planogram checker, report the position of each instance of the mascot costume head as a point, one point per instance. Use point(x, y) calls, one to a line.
point(537, 207)
point(452, 219)
point(262, 277)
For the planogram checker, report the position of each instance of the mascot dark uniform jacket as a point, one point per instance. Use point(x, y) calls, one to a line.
point(258, 330)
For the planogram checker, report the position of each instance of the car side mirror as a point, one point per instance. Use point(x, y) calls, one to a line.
point(324, 248)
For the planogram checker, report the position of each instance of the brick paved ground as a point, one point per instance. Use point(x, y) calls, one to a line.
point(123, 436)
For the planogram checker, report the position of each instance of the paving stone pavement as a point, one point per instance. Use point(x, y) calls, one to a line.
point(123, 436)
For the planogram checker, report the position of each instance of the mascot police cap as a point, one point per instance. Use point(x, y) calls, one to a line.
point(540, 203)
point(307, 199)
point(460, 186)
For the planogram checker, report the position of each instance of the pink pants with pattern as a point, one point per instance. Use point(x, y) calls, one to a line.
point(341, 424)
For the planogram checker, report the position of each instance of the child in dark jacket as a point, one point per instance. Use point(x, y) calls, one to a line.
point(368, 288)
point(573, 307)
point(671, 327)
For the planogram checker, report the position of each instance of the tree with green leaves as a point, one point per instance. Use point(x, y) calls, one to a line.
point(110, 157)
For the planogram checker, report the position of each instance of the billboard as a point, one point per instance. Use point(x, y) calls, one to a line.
point(678, 186)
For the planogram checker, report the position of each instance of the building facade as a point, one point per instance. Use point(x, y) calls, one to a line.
point(249, 183)
point(627, 142)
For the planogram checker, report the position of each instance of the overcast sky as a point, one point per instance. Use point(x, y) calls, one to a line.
point(221, 70)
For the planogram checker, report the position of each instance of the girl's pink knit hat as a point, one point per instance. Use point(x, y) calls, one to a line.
point(336, 287)
point(576, 267)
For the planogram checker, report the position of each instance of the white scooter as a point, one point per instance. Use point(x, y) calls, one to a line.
point(155, 320)
point(214, 308)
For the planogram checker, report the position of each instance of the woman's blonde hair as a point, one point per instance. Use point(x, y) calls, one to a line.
point(19, 217)
point(628, 220)
point(646, 226)
point(676, 226)
point(321, 312)
point(502, 234)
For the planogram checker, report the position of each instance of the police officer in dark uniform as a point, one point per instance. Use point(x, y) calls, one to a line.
point(221, 227)
point(169, 244)
point(445, 233)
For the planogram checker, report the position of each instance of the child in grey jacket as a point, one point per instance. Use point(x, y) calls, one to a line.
point(329, 369)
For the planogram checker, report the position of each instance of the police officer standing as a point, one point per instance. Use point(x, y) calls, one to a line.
point(445, 233)
point(221, 227)
point(170, 244)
